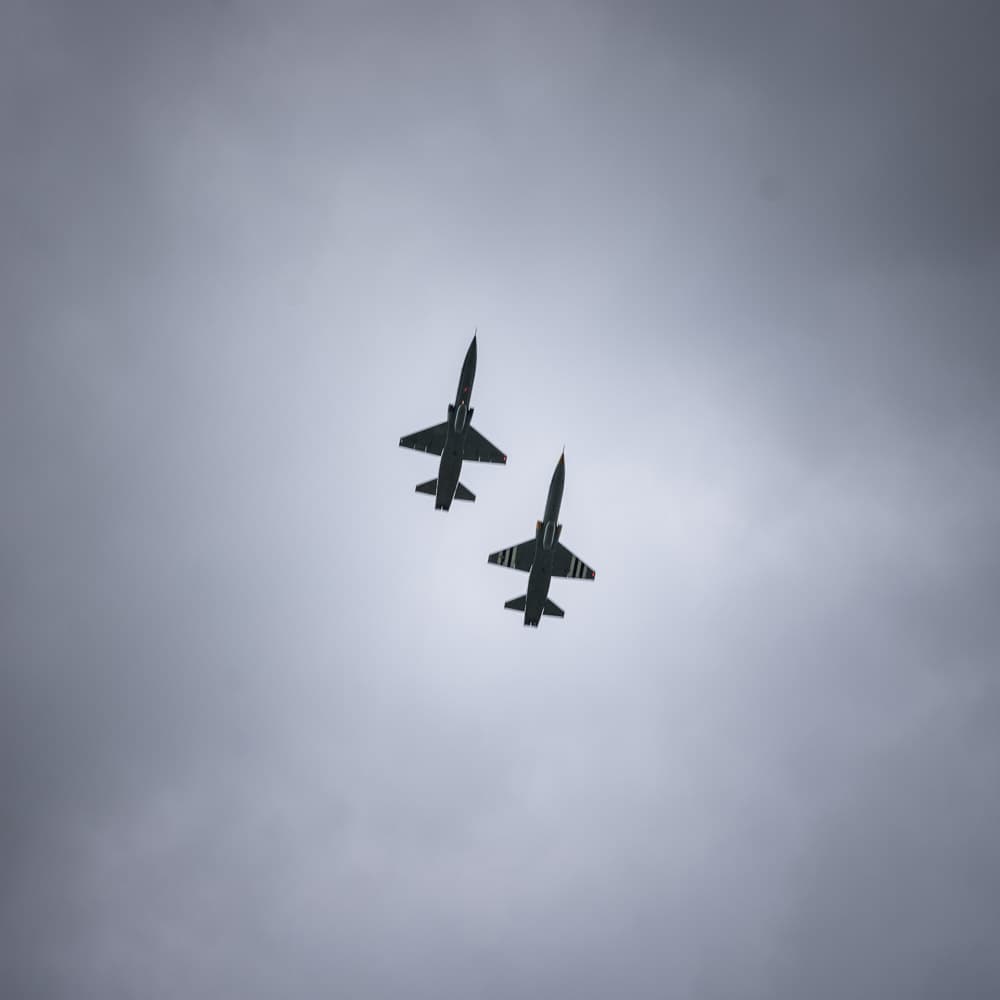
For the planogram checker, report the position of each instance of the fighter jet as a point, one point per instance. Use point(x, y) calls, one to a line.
point(543, 557)
point(456, 440)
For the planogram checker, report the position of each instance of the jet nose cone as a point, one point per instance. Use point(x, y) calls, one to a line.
point(562, 457)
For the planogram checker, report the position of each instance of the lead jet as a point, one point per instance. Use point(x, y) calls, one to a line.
point(456, 440)
point(543, 557)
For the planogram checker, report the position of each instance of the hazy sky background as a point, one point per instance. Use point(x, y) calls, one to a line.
point(266, 729)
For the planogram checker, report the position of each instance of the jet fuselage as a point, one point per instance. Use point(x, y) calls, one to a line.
point(459, 415)
point(547, 533)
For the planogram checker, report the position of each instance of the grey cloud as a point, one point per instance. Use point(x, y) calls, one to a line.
point(265, 726)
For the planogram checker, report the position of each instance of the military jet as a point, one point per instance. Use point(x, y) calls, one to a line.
point(456, 440)
point(543, 557)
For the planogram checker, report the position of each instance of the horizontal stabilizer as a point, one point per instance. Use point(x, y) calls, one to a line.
point(551, 608)
point(431, 486)
point(464, 493)
point(517, 603)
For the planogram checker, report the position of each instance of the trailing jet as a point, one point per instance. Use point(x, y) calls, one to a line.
point(543, 557)
point(456, 440)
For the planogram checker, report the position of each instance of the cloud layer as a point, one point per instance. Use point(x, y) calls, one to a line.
point(266, 729)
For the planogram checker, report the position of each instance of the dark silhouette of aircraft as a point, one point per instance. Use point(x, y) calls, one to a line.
point(543, 557)
point(456, 441)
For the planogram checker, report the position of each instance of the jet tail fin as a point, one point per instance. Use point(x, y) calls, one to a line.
point(517, 603)
point(464, 493)
point(429, 487)
point(551, 608)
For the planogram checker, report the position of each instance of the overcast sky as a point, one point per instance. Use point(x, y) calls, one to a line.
point(266, 729)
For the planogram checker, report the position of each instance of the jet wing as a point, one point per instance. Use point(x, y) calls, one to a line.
point(478, 449)
point(516, 557)
point(431, 439)
point(564, 563)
